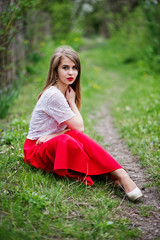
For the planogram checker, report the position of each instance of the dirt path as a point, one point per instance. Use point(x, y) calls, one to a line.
point(150, 203)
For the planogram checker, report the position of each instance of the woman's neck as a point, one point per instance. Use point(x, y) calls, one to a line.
point(61, 87)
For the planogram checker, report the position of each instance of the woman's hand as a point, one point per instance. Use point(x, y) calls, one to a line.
point(70, 95)
point(48, 137)
point(45, 138)
point(76, 122)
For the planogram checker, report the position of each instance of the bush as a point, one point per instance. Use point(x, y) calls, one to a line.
point(6, 99)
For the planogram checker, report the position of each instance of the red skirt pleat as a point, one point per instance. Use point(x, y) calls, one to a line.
point(71, 154)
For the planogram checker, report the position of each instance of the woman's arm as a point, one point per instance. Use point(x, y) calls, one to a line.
point(75, 123)
point(48, 137)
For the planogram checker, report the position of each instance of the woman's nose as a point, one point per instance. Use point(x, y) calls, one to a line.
point(70, 71)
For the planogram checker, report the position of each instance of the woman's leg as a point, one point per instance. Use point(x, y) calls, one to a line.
point(132, 191)
point(124, 179)
point(103, 160)
point(100, 161)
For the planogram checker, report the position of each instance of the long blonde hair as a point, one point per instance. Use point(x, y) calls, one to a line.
point(64, 51)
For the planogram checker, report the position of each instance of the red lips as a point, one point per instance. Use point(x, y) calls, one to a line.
point(70, 79)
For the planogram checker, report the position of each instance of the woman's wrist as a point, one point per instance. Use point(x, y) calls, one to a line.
point(71, 102)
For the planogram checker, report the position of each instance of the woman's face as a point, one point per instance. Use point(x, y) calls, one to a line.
point(67, 72)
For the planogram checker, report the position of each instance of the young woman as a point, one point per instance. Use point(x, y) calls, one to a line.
point(56, 142)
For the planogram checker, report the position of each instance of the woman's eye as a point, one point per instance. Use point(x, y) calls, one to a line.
point(65, 67)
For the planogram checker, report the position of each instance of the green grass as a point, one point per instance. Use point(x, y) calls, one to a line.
point(38, 205)
point(146, 210)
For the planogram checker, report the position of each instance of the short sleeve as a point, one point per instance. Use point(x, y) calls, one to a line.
point(58, 108)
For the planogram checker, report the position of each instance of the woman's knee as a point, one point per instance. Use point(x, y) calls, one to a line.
point(65, 138)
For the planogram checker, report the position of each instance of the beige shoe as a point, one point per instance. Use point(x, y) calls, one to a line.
point(134, 194)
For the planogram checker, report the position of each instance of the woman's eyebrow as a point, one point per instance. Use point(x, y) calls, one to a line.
point(66, 65)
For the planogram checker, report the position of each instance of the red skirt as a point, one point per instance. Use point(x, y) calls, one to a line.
point(72, 154)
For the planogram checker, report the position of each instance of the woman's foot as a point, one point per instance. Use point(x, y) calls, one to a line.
point(134, 194)
point(130, 188)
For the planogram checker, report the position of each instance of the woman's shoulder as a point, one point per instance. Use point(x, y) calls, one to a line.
point(52, 95)
point(51, 92)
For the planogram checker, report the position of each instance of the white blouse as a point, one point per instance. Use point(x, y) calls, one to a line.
point(49, 114)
